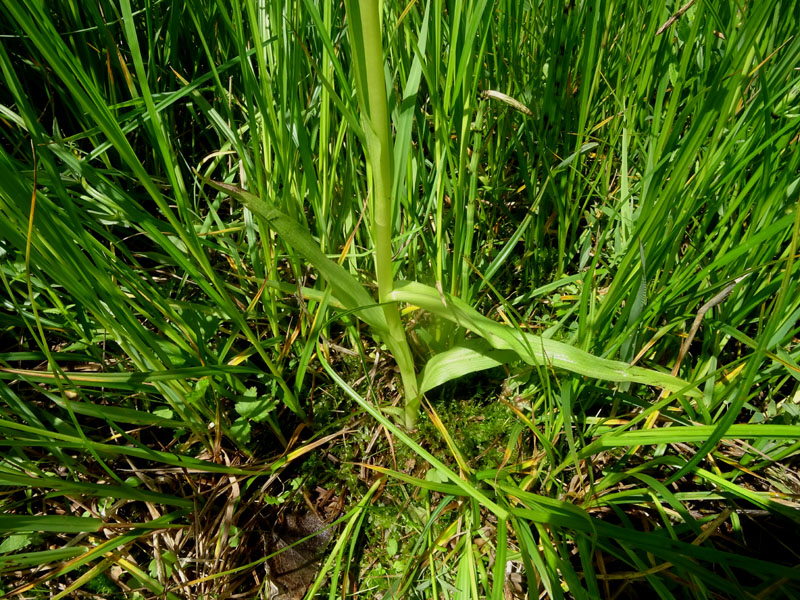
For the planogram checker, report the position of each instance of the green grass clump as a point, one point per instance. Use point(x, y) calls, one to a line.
point(505, 291)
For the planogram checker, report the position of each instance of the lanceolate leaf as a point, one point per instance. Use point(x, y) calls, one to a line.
point(347, 290)
point(462, 359)
point(533, 349)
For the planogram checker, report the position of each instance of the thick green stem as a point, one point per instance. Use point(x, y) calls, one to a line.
point(380, 153)
point(365, 35)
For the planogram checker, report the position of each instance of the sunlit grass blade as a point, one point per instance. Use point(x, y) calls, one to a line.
point(49, 523)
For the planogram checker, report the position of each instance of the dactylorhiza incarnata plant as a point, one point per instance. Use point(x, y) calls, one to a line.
point(497, 344)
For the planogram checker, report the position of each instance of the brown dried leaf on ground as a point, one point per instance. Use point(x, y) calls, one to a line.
point(293, 570)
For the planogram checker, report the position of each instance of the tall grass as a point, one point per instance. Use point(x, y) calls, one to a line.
point(225, 223)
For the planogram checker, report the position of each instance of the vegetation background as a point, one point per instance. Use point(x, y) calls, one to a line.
point(194, 374)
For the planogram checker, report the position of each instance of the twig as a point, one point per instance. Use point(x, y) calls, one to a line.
point(675, 17)
point(699, 319)
point(718, 299)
